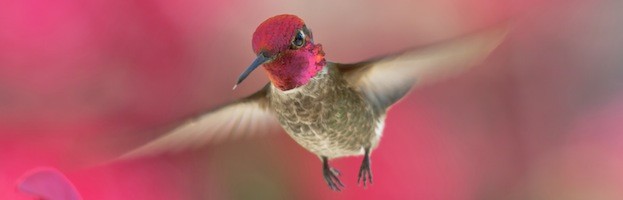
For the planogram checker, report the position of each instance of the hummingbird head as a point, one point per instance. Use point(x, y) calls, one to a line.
point(286, 49)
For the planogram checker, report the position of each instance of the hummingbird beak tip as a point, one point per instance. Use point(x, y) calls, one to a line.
point(261, 59)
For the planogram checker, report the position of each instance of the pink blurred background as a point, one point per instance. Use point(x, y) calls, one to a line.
point(81, 82)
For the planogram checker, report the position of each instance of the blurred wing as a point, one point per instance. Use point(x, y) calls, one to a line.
point(387, 79)
point(244, 117)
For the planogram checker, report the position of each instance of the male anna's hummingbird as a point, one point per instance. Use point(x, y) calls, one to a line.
point(331, 109)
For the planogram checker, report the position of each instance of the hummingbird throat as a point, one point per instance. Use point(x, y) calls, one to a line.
point(295, 68)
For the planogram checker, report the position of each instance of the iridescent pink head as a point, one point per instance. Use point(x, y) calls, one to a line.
point(286, 49)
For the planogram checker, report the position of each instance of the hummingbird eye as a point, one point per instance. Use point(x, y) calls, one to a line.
point(299, 40)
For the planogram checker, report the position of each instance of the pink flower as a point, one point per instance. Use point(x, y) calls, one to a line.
point(47, 184)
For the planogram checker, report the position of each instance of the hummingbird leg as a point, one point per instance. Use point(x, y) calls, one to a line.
point(331, 175)
point(365, 172)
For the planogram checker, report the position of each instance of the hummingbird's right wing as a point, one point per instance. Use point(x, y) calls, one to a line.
point(386, 79)
point(243, 117)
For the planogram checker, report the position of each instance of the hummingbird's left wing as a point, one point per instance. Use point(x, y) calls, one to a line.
point(385, 80)
point(246, 116)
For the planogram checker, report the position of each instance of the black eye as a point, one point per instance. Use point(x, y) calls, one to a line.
point(299, 39)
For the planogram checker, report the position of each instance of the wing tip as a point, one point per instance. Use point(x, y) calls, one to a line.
point(134, 154)
point(147, 150)
point(500, 30)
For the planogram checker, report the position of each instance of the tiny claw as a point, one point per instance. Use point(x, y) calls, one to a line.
point(336, 172)
point(331, 176)
point(365, 173)
point(235, 86)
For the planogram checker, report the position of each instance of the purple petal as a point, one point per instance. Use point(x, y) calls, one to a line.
point(47, 184)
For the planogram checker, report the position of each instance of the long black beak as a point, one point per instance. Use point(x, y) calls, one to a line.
point(261, 59)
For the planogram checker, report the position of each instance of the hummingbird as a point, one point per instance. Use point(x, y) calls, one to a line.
point(331, 109)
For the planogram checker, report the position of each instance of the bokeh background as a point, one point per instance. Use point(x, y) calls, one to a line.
point(82, 82)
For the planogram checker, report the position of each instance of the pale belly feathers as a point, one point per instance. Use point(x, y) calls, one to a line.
point(327, 117)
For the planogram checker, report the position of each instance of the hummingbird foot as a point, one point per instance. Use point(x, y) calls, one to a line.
point(331, 176)
point(365, 172)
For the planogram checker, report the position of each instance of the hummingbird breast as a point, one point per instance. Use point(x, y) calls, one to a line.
point(327, 116)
